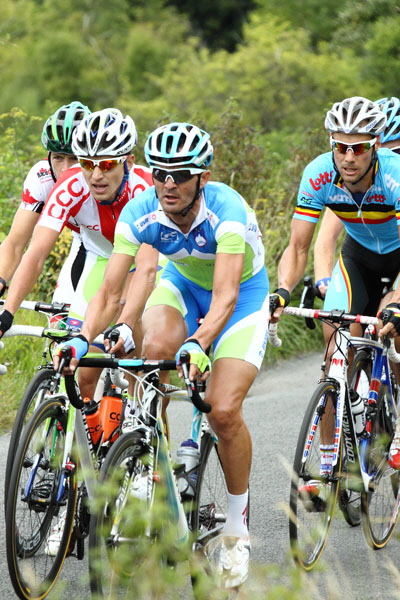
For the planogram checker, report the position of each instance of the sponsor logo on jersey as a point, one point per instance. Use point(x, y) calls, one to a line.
point(43, 173)
point(391, 183)
point(375, 198)
point(169, 236)
point(322, 179)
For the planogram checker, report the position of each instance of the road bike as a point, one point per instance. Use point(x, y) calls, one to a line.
point(42, 382)
point(359, 476)
point(53, 474)
point(140, 479)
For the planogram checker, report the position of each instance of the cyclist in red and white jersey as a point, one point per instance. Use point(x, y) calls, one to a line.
point(56, 138)
point(93, 193)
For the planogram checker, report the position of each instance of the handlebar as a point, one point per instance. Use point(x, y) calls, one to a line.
point(133, 364)
point(38, 306)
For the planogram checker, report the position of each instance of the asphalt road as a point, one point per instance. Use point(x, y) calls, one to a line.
point(348, 568)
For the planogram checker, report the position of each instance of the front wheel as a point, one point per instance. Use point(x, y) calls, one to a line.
point(207, 518)
point(380, 505)
point(41, 504)
point(312, 494)
point(38, 391)
point(119, 520)
point(358, 380)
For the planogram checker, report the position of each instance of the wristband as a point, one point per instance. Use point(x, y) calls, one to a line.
point(324, 281)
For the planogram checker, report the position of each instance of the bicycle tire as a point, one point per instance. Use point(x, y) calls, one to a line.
point(380, 505)
point(311, 515)
point(358, 380)
point(119, 521)
point(207, 516)
point(34, 394)
point(30, 521)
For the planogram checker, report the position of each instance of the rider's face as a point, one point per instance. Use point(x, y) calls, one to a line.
point(61, 162)
point(175, 197)
point(105, 185)
point(351, 166)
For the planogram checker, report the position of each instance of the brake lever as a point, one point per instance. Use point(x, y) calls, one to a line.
point(191, 386)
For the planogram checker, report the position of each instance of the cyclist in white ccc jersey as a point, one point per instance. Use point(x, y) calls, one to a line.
point(215, 272)
point(56, 138)
point(94, 196)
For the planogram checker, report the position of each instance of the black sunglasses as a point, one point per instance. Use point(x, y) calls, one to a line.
point(180, 176)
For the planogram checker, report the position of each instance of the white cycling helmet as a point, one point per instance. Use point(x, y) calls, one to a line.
point(179, 145)
point(391, 108)
point(105, 133)
point(355, 115)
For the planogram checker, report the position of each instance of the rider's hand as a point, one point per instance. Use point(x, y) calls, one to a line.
point(200, 364)
point(390, 316)
point(322, 285)
point(125, 343)
point(277, 301)
point(6, 320)
point(79, 347)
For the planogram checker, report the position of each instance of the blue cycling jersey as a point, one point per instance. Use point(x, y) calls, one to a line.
point(225, 223)
point(374, 221)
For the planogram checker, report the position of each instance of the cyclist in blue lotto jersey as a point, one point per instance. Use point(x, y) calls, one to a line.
point(331, 225)
point(360, 183)
point(215, 272)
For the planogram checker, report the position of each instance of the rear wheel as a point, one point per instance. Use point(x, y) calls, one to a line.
point(312, 495)
point(40, 511)
point(380, 505)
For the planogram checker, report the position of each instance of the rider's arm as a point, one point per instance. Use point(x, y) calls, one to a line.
point(141, 285)
point(31, 265)
point(12, 248)
point(105, 303)
point(294, 259)
point(325, 247)
point(226, 281)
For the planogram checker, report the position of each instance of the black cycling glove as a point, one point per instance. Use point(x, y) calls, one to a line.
point(391, 314)
point(279, 298)
point(6, 320)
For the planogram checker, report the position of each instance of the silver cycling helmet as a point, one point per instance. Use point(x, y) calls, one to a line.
point(179, 145)
point(105, 133)
point(355, 115)
point(391, 108)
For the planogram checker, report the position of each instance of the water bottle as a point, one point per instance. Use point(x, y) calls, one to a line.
point(358, 410)
point(92, 415)
point(189, 455)
point(110, 413)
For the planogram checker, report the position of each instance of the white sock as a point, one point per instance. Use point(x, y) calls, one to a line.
point(236, 522)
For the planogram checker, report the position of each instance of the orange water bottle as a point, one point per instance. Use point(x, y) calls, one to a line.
point(93, 421)
point(110, 414)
